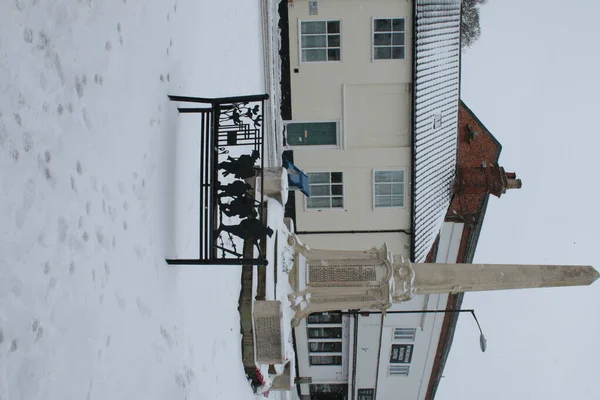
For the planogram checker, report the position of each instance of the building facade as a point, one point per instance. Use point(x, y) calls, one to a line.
point(371, 102)
point(359, 353)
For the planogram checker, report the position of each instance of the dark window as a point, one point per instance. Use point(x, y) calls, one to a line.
point(334, 317)
point(401, 353)
point(320, 40)
point(325, 347)
point(328, 391)
point(326, 333)
point(326, 190)
point(325, 360)
point(366, 394)
point(388, 39)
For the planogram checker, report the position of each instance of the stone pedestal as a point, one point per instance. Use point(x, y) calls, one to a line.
point(326, 280)
point(268, 336)
point(275, 183)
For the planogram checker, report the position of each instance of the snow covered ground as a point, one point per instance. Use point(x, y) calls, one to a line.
point(90, 149)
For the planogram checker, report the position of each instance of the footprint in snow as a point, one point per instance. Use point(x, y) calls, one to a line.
point(121, 301)
point(86, 119)
point(28, 35)
point(37, 329)
point(27, 142)
point(79, 87)
point(63, 228)
point(14, 154)
point(43, 41)
point(99, 237)
point(108, 46)
point(43, 82)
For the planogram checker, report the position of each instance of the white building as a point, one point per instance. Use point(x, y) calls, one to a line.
point(372, 118)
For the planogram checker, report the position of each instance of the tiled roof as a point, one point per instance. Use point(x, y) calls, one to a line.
point(435, 117)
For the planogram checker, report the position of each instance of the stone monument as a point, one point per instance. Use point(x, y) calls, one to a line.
point(329, 280)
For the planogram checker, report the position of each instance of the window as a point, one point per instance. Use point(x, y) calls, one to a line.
point(331, 317)
point(388, 38)
point(324, 347)
point(399, 370)
point(401, 353)
point(328, 391)
point(326, 333)
point(326, 190)
point(405, 334)
point(388, 189)
point(320, 40)
point(325, 360)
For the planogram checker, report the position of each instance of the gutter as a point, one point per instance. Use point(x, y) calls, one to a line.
point(414, 130)
point(353, 232)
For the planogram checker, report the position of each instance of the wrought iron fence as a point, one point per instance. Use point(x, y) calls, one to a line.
point(232, 222)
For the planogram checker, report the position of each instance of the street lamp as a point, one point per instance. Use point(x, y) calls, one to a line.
point(482, 339)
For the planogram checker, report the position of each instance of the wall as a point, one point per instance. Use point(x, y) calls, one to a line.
point(371, 101)
point(317, 87)
point(429, 327)
point(397, 243)
point(358, 212)
point(393, 387)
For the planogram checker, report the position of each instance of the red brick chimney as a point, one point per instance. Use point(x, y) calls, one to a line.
point(491, 179)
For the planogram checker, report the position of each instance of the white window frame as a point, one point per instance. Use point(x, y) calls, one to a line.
point(343, 207)
point(404, 334)
point(338, 132)
point(373, 59)
point(403, 170)
point(300, 21)
point(398, 370)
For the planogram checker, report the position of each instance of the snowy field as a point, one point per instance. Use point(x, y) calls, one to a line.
point(90, 152)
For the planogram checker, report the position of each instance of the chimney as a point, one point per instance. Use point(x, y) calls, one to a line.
point(511, 181)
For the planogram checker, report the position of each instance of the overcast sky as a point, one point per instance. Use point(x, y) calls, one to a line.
point(533, 80)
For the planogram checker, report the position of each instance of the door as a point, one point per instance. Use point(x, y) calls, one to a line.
point(311, 134)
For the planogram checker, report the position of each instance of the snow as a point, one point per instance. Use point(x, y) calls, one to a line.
point(92, 159)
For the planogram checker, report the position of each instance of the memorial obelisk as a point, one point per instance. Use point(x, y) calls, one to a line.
point(329, 280)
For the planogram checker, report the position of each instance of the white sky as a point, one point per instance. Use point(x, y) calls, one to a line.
point(532, 79)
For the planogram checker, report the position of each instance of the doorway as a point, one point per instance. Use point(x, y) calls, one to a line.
point(311, 134)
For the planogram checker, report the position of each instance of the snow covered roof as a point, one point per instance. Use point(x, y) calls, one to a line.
point(435, 117)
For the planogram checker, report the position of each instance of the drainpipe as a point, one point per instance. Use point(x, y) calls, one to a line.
point(351, 232)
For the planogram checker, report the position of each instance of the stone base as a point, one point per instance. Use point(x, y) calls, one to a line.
point(268, 338)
